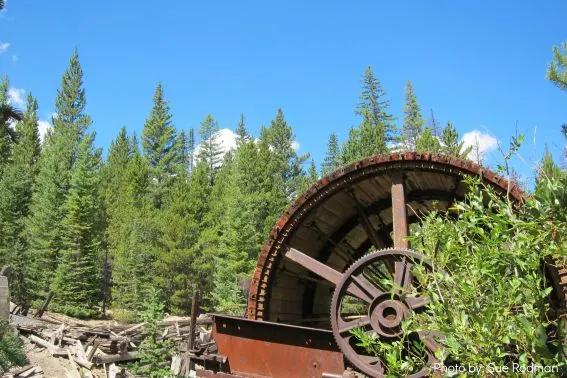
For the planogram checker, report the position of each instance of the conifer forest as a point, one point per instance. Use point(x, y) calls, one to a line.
point(163, 213)
point(157, 212)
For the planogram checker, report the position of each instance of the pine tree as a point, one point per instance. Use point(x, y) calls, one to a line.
point(76, 285)
point(191, 148)
point(351, 147)
point(158, 142)
point(210, 149)
point(284, 160)
point(16, 188)
point(376, 131)
point(372, 139)
point(131, 238)
point(434, 125)
point(7, 134)
point(120, 152)
point(373, 106)
point(242, 134)
point(557, 70)
point(413, 121)
point(332, 157)
point(451, 144)
point(182, 153)
point(45, 228)
point(427, 142)
point(249, 208)
point(313, 177)
point(548, 169)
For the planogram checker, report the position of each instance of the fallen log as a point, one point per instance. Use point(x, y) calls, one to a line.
point(110, 358)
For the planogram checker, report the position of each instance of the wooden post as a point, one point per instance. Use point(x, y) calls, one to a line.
point(189, 363)
point(194, 309)
point(43, 307)
point(4, 298)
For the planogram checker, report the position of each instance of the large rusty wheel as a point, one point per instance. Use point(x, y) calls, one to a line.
point(364, 207)
point(384, 282)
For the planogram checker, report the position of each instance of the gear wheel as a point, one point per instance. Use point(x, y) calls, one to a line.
point(383, 281)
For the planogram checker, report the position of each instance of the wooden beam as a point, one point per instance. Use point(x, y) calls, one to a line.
point(399, 213)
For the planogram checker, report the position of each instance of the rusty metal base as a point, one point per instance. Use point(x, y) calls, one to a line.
point(265, 349)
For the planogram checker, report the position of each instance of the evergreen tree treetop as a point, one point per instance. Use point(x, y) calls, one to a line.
point(158, 136)
point(242, 135)
point(71, 101)
point(210, 148)
point(373, 107)
point(413, 121)
point(333, 155)
point(557, 70)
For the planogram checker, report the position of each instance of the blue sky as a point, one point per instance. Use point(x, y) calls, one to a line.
point(479, 64)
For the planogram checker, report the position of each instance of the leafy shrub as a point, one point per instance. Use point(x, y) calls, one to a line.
point(489, 291)
point(154, 351)
point(11, 353)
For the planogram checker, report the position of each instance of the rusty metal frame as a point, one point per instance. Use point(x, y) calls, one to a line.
point(327, 186)
point(261, 348)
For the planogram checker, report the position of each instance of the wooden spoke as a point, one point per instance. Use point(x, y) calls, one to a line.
point(399, 211)
point(402, 275)
point(367, 225)
point(417, 302)
point(346, 327)
point(324, 271)
point(366, 286)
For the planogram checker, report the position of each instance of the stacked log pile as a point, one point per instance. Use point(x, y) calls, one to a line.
point(90, 349)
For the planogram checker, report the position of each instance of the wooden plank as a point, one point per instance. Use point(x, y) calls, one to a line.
point(74, 369)
point(110, 358)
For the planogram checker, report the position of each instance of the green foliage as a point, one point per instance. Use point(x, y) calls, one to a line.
point(450, 142)
point(283, 161)
point(413, 123)
point(16, 188)
point(44, 228)
point(242, 134)
point(210, 149)
point(427, 142)
point(7, 113)
point(332, 159)
point(11, 353)
point(76, 284)
point(491, 305)
point(401, 357)
point(557, 70)
point(154, 351)
point(159, 145)
point(376, 130)
point(131, 236)
point(373, 107)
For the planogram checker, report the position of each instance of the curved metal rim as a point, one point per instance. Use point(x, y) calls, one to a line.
point(268, 259)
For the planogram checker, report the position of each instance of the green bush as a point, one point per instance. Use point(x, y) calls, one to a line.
point(490, 296)
point(11, 353)
point(154, 351)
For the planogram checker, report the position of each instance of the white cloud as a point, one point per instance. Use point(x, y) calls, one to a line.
point(227, 140)
point(43, 126)
point(16, 96)
point(295, 145)
point(4, 46)
point(14, 58)
point(481, 144)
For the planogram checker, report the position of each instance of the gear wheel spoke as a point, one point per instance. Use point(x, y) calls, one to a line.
point(382, 316)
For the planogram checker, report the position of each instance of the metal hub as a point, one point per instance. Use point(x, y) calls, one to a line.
point(386, 314)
